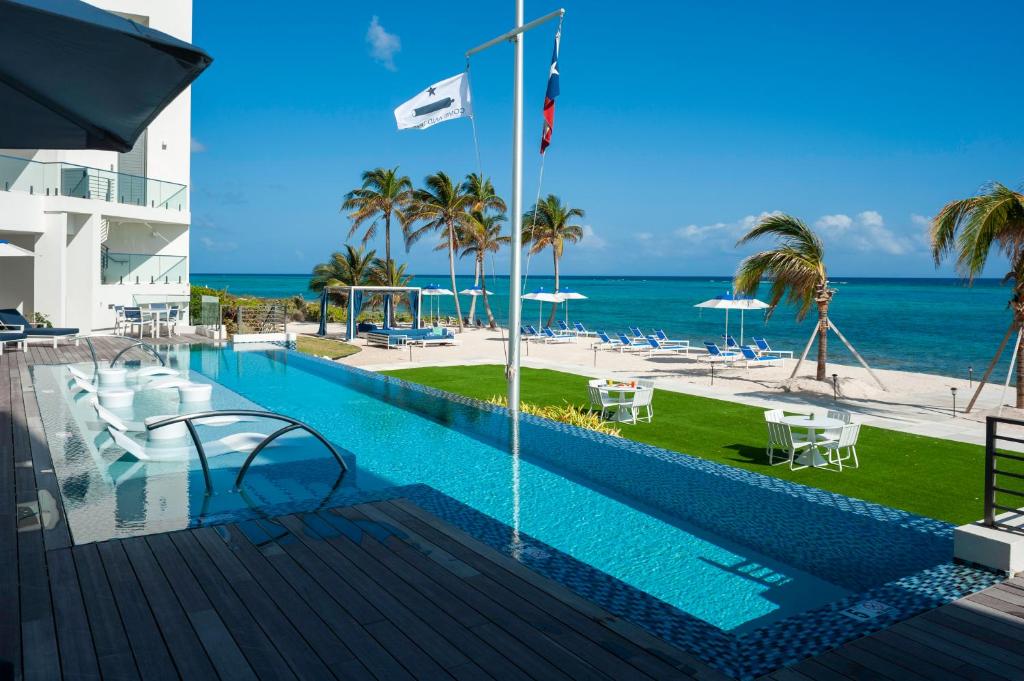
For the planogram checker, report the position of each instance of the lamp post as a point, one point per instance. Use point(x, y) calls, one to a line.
point(835, 387)
point(953, 390)
point(970, 378)
point(712, 365)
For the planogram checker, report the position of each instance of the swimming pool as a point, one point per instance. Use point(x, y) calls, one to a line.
point(744, 570)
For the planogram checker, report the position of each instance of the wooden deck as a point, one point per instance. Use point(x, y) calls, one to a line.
point(376, 591)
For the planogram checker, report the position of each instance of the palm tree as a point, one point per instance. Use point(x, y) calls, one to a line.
point(384, 194)
point(484, 200)
point(972, 227)
point(351, 268)
point(385, 273)
point(441, 207)
point(480, 236)
point(547, 225)
point(797, 269)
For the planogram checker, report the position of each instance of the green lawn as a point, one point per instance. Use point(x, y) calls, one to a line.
point(932, 477)
point(324, 347)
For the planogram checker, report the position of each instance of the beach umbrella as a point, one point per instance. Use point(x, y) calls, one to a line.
point(9, 250)
point(727, 301)
point(568, 294)
point(475, 290)
point(73, 76)
point(434, 290)
point(542, 296)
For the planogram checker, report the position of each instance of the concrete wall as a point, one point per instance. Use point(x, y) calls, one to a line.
point(16, 288)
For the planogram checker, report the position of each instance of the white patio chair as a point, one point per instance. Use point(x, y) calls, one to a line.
point(780, 437)
point(833, 433)
point(846, 440)
point(601, 401)
point(642, 400)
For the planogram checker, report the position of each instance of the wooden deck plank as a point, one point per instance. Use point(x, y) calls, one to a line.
point(10, 622)
point(642, 650)
point(557, 644)
point(115, 658)
point(430, 627)
point(74, 637)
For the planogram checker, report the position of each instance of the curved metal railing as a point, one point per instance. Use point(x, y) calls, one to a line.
point(293, 424)
point(136, 343)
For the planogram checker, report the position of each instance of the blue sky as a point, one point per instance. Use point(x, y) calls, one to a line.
point(677, 125)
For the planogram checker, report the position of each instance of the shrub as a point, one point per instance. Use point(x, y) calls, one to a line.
point(564, 413)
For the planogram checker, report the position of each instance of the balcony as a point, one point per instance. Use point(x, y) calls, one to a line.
point(142, 268)
point(67, 179)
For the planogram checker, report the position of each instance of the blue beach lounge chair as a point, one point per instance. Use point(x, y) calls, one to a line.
point(632, 345)
point(582, 330)
point(764, 349)
point(665, 340)
point(637, 333)
point(12, 320)
point(716, 354)
point(563, 329)
point(606, 342)
point(753, 359)
point(658, 346)
point(552, 337)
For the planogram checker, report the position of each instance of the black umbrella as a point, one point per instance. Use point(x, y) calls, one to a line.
point(73, 76)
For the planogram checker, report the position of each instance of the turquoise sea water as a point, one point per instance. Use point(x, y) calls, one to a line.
point(930, 325)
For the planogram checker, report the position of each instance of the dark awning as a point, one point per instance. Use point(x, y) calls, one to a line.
point(73, 76)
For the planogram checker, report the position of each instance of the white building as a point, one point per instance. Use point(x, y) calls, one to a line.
point(106, 228)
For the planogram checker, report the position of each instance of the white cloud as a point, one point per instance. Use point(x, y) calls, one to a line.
point(867, 233)
point(196, 147)
point(721, 235)
point(643, 236)
point(383, 45)
point(592, 240)
point(217, 246)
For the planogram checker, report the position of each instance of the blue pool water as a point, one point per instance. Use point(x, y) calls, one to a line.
point(681, 544)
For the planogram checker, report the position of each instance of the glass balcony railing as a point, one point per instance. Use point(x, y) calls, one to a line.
point(142, 268)
point(67, 179)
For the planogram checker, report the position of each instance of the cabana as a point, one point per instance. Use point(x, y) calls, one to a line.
point(356, 295)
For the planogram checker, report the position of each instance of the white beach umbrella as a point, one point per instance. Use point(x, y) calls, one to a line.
point(434, 290)
point(542, 296)
point(9, 250)
point(568, 294)
point(727, 301)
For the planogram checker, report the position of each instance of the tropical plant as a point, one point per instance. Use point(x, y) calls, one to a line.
point(565, 413)
point(972, 228)
point(384, 273)
point(549, 225)
point(384, 194)
point(797, 269)
point(484, 201)
point(348, 268)
point(479, 236)
point(441, 207)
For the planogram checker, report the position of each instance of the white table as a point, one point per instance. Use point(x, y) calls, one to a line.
point(155, 315)
point(812, 455)
point(624, 412)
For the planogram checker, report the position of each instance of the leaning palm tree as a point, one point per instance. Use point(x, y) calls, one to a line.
point(384, 194)
point(971, 228)
point(441, 207)
point(348, 268)
point(480, 236)
point(547, 224)
point(797, 269)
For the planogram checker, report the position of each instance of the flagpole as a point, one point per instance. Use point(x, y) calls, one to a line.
point(515, 270)
point(515, 280)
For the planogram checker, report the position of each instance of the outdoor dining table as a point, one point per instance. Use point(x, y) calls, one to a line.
point(155, 314)
point(624, 412)
point(812, 455)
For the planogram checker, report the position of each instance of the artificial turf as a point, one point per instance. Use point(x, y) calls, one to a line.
point(928, 476)
point(325, 347)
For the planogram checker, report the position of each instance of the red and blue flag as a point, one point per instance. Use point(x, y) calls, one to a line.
point(549, 98)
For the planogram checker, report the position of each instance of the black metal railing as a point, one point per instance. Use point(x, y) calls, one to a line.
point(292, 424)
point(999, 480)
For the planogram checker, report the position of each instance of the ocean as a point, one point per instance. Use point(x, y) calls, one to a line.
point(937, 326)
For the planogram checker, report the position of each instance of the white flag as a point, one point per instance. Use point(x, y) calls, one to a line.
point(444, 101)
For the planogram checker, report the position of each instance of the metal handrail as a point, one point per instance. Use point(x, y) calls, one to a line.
point(293, 424)
point(992, 472)
point(138, 343)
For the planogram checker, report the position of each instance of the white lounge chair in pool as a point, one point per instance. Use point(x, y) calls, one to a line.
point(229, 444)
point(78, 373)
point(147, 372)
point(78, 385)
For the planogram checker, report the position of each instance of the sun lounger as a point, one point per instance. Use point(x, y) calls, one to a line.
point(665, 340)
point(582, 330)
point(632, 345)
point(12, 320)
point(637, 333)
point(658, 346)
point(606, 342)
point(16, 337)
point(716, 354)
point(753, 359)
point(764, 349)
point(563, 329)
point(552, 337)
